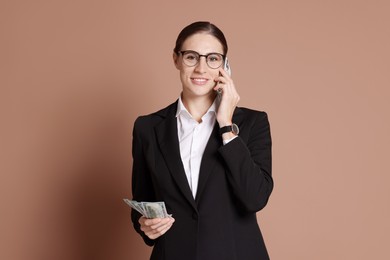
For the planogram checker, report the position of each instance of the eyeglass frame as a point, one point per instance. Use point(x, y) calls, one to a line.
point(200, 55)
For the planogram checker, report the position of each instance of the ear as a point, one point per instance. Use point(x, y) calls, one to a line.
point(176, 60)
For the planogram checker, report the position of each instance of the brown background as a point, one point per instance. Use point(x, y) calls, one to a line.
point(75, 74)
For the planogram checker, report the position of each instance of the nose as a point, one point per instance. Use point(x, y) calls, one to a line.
point(202, 65)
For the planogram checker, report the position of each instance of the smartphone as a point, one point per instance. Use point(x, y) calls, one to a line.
point(226, 67)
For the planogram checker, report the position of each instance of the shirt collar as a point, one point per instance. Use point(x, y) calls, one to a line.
point(181, 108)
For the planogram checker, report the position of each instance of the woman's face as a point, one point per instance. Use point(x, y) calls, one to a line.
point(198, 80)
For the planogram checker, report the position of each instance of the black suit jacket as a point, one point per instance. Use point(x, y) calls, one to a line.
point(234, 183)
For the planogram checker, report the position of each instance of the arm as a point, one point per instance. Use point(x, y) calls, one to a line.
point(142, 186)
point(141, 180)
point(248, 162)
point(249, 165)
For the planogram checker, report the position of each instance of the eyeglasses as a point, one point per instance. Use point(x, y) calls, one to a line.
point(191, 58)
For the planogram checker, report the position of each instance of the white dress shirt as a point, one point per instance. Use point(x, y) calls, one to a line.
point(193, 138)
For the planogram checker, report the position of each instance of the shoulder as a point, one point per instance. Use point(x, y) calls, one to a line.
point(251, 112)
point(249, 115)
point(152, 119)
point(252, 123)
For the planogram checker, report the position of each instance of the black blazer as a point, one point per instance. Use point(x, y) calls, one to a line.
point(234, 183)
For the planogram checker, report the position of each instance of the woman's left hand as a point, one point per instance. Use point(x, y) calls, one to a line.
point(229, 100)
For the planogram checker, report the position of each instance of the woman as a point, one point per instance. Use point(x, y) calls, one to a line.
point(208, 160)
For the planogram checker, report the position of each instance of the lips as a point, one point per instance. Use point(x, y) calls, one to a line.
point(199, 81)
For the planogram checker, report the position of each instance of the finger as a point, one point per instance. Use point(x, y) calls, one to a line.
point(220, 82)
point(145, 224)
point(224, 73)
point(155, 233)
point(152, 221)
point(163, 222)
point(151, 224)
point(165, 227)
point(219, 87)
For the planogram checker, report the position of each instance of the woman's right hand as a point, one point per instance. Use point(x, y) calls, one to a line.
point(155, 227)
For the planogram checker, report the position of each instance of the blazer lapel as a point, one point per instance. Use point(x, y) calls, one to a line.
point(208, 160)
point(166, 133)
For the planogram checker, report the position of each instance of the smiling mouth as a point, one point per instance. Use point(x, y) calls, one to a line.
point(200, 81)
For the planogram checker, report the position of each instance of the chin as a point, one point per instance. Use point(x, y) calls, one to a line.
point(204, 93)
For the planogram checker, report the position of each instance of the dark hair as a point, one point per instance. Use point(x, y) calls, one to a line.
point(199, 27)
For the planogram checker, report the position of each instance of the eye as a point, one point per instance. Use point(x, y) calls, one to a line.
point(190, 56)
point(214, 57)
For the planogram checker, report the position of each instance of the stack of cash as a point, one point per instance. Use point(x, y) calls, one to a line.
point(149, 209)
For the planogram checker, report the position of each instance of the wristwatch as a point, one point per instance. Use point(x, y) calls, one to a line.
point(229, 128)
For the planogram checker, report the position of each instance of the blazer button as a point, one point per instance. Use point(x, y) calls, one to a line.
point(195, 216)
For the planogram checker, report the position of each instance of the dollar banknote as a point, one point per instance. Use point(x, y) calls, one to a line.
point(149, 209)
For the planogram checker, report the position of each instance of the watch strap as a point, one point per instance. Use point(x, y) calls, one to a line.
point(229, 128)
point(225, 129)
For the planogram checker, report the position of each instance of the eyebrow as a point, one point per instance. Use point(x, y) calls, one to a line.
point(202, 54)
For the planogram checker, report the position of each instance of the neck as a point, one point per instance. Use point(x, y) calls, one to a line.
point(198, 106)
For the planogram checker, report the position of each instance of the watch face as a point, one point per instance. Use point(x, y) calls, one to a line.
point(235, 129)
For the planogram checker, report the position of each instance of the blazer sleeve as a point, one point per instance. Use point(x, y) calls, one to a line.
point(141, 180)
point(248, 161)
